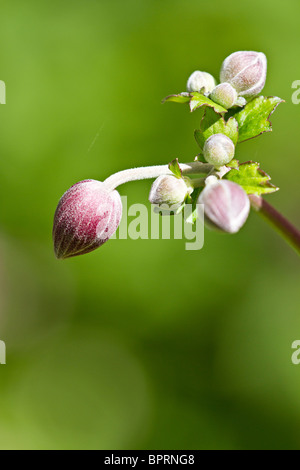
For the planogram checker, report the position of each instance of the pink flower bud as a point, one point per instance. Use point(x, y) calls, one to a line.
point(246, 71)
point(224, 95)
point(167, 189)
point(86, 217)
point(218, 150)
point(226, 205)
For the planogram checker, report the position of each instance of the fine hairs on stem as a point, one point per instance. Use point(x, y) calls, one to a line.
point(150, 172)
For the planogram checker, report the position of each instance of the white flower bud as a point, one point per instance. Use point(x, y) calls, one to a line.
point(224, 95)
point(167, 189)
point(218, 150)
point(226, 206)
point(199, 80)
point(246, 71)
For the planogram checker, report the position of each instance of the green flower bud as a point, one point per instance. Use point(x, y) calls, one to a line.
point(218, 150)
point(199, 80)
point(167, 189)
point(246, 71)
point(224, 95)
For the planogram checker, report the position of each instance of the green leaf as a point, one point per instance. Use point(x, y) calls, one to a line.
point(179, 98)
point(192, 217)
point(212, 123)
point(252, 179)
point(175, 168)
point(198, 100)
point(253, 120)
point(199, 137)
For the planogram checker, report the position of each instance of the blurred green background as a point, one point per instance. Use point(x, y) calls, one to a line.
point(141, 344)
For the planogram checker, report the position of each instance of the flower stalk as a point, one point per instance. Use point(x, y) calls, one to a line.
point(285, 228)
point(150, 172)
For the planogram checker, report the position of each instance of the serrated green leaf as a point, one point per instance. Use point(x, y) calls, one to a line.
point(179, 98)
point(253, 120)
point(212, 123)
point(175, 168)
point(198, 100)
point(192, 217)
point(252, 179)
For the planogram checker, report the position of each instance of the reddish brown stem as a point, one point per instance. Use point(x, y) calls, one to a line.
point(287, 230)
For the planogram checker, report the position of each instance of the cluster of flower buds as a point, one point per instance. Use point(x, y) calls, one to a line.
point(89, 213)
point(86, 217)
point(226, 205)
point(242, 77)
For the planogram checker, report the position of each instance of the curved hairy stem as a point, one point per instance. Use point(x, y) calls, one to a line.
point(287, 230)
point(149, 172)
